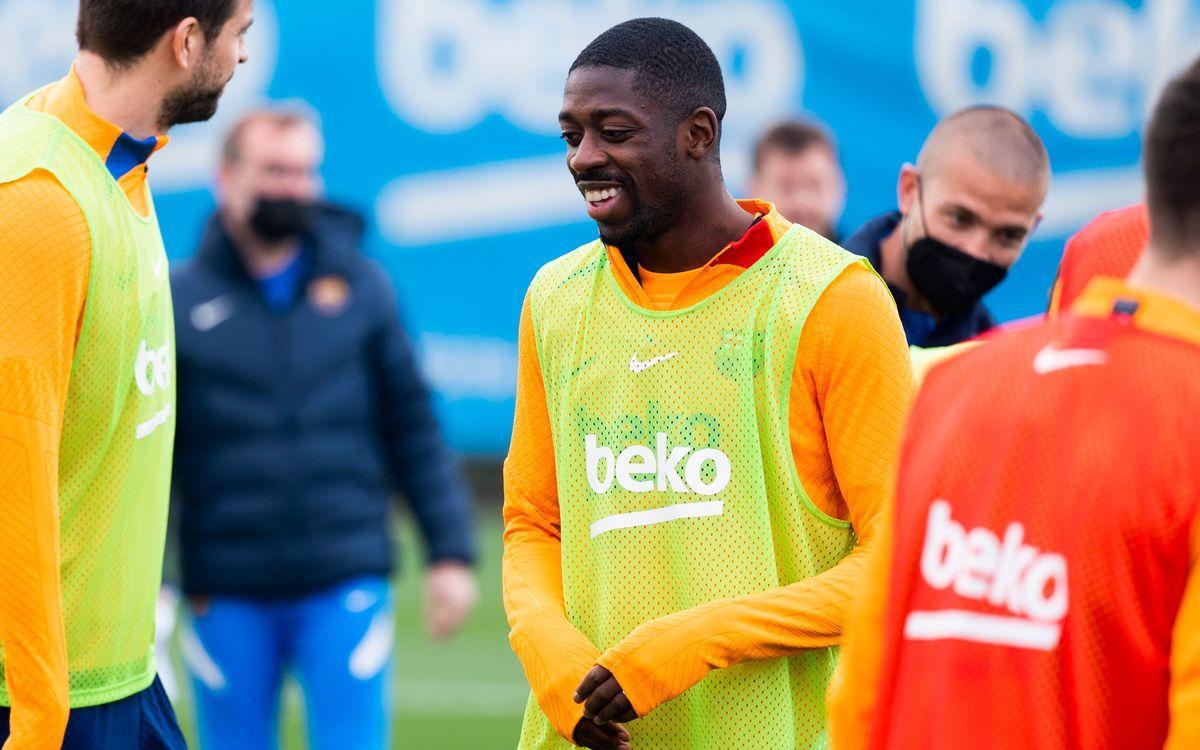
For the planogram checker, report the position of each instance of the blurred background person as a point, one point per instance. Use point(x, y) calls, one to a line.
point(967, 210)
point(796, 167)
point(301, 412)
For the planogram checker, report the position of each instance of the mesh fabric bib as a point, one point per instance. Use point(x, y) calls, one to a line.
point(114, 461)
point(676, 481)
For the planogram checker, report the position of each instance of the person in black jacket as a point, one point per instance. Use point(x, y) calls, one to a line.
point(967, 210)
point(301, 412)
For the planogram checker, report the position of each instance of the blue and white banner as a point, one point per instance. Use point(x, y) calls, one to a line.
point(441, 123)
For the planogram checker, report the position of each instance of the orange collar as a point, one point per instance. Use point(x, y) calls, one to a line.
point(65, 100)
point(743, 252)
point(1151, 311)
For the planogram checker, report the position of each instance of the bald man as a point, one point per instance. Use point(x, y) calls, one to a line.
point(967, 209)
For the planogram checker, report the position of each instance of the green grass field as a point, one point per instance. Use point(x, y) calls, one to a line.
point(468, 694)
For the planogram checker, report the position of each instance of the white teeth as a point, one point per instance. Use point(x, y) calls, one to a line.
point(596, 196)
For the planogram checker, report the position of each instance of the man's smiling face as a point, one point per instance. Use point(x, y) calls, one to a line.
point(623, 151)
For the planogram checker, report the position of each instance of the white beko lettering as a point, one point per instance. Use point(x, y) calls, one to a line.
point(152, 368)
point(1092, 67)
point(639, 468)
point(663, 468)
point(977, 565)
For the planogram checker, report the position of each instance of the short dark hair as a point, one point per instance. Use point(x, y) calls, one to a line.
point(672, 64)
point(1171, 152)
point(123, 31)
point(793, 137)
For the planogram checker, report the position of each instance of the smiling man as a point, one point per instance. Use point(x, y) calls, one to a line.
point(708, 401)
point(967, 210)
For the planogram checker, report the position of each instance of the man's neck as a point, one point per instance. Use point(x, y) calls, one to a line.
point(127, 99)
point(893, 269)
point(693, 242)
point(262, 259)
point(1179, 279)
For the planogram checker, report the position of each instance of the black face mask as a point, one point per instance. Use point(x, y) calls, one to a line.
point(278, 219)
point(948, 278)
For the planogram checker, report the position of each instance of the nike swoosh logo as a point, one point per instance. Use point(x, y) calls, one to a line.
point(211, 314)
point(157, 266)
point(637, 366)
point(1051, 359)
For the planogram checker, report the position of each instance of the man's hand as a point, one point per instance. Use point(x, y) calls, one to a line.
point(607, 737)
point(605, 700)
point(450, 595)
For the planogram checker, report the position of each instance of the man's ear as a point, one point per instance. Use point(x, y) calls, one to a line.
point(187, 43)
point(841, 188)
point(224, 177)
point(700, 132)
point(906, 189)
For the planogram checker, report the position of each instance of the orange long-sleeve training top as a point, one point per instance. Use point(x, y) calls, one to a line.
point(850, 393)
point(45, 258)
point(858, 683)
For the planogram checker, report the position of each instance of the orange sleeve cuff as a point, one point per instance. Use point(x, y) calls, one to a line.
point(553, 653)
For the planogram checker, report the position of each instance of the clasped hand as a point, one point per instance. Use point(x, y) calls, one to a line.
point(605, 710)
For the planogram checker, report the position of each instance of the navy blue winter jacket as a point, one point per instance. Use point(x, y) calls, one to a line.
point(296, 427)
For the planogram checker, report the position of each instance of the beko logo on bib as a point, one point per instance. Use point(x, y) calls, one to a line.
point(976, 564)
point(665, 468)
point(152, 373)
point(152, 369)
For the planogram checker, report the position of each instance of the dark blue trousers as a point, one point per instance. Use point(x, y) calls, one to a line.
point(143, 721)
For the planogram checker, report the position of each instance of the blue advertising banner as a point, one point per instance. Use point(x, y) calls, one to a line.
point(440, 117)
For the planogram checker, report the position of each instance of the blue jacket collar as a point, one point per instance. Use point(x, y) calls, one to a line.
point(331, 245)
point(967, 324)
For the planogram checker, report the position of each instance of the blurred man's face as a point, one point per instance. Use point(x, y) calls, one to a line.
point(965, 205)
point(807, 187)
point(274, 162)
point(196, 100)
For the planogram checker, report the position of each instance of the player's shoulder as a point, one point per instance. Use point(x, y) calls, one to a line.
point(857, 285)
point(843, 283)
point(39, 216)
point(36, 198)
point(806, 249)
point(1129, 219)
point(1110, 243)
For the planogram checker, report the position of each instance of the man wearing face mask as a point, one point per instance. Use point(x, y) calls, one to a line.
point(301, 412)
point(967, 209)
